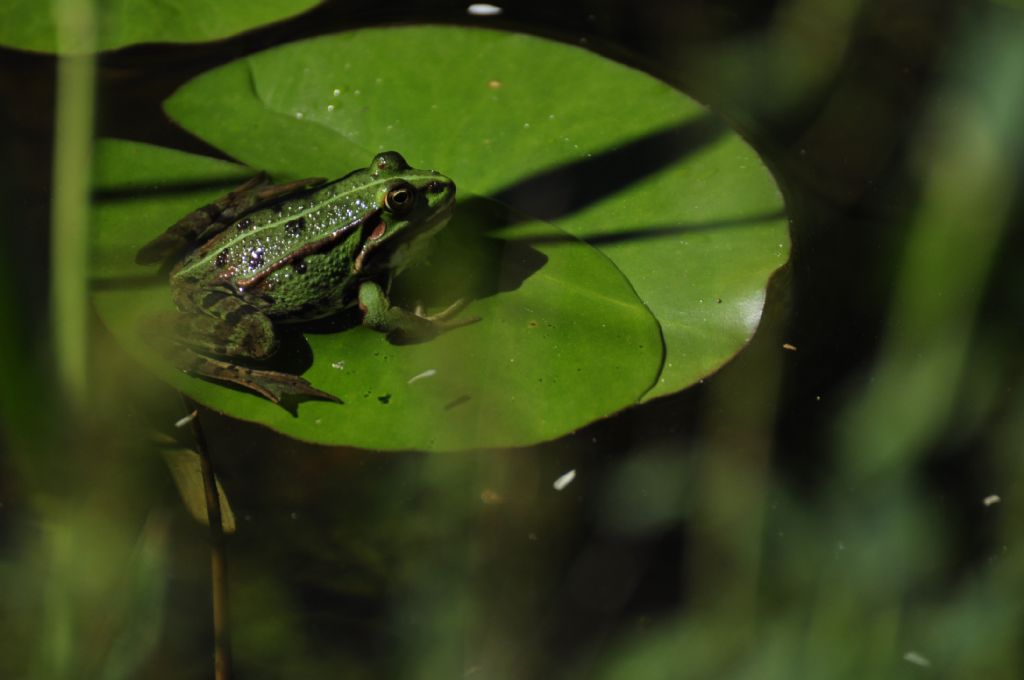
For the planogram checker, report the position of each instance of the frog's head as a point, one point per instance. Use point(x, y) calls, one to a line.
point(413, 205)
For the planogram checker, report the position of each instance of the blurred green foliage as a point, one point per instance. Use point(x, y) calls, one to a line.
point(845, 509)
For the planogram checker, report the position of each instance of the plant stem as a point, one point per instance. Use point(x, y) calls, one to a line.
point(218, 556)
point(72, 180)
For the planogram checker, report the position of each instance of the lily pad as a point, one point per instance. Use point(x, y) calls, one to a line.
point(562, 339)
point(678, 202)
point(30, 25)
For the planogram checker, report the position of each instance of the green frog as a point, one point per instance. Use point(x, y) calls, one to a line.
point(267, 254)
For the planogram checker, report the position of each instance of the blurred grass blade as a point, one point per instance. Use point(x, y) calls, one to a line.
point(72, 164)
point(143, 595)
point(967, 155)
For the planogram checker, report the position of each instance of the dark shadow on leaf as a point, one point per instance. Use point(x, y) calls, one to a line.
point(466, 262)
point(293, 355)
point(160, 277)
point(571, 187)
point(639, 233)
point(458, 401)
point(129, 282)
point(134, 191)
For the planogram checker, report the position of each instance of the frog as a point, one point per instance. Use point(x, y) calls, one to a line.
point(265, 255)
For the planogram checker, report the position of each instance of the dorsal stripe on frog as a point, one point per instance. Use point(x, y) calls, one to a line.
point(315, 206)
point(311, 248)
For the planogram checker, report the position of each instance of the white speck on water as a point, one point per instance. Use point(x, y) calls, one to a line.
point(298, 114)
point(991, 500)
point(379, 81)
point(295, 515)
point(340, 365)
point(429, 373)
point(317, 421)
point(483, 9)
point(356, 92)
point(565, 480)
point(337, 92)
point(526, 125)
point(182, 422)
point(551, 116)
point(330, 107)
point(917, 659)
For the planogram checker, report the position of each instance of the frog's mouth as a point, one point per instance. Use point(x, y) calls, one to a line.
point(402, 246)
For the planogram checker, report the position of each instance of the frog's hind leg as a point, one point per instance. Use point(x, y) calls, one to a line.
point(214, 217)
point(271, 385)
point(229, 328)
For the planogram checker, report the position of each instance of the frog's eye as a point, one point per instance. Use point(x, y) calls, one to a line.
point(400, 198)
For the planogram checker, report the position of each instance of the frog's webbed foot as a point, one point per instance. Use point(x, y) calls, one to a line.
point(271, 385)
point(214, 217)
point(443, 319)
point(404, 325)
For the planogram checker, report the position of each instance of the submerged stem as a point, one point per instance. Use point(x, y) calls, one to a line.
point(218, 556)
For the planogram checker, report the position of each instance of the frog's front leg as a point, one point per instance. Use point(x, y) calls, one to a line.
point(217, 323)
point(379, 314)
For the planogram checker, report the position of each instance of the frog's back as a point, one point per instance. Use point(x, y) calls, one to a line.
point(291, 258)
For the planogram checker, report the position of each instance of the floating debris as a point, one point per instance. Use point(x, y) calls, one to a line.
point(483, 9)
point(429, 373)
point(790, 347)
point(917, 659)
point(991, 500)
point(565, 480)
point(182, 422)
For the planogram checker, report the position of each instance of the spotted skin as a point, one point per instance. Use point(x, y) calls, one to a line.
point(266, 254)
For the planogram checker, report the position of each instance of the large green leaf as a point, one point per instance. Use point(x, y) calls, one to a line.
point(682, 205)
point(562, 340)
point(683, 208)
point(30, 25)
